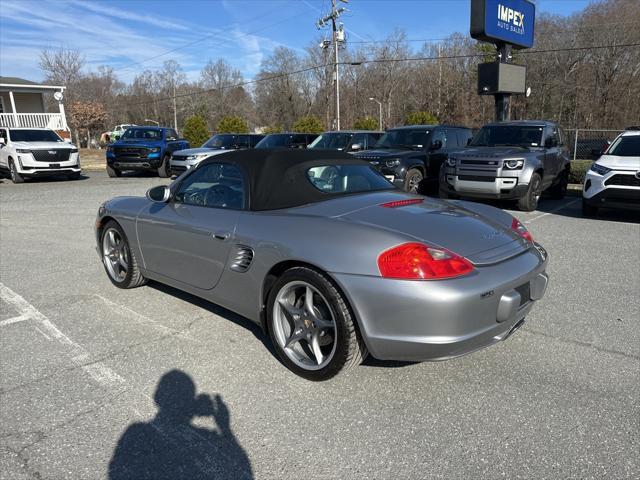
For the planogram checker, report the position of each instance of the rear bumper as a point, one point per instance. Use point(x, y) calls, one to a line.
point(422, 320)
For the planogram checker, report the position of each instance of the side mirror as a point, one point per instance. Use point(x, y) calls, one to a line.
point(436, 145)
point(356, 147)
point(159, 193)
point(550, 143)
point(596, 153)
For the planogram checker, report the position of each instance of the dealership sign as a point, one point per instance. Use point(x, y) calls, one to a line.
point(503, 21)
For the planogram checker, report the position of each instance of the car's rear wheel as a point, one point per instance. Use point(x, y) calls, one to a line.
point(559, 190)
point(412, 180)
point(164, 170)
point(588, 210)
point(118, 259)
point(113, 172)
point(311, 325)
point(14, 174)
point(529, 201)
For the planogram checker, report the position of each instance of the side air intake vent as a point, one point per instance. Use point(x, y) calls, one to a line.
point(242, 259)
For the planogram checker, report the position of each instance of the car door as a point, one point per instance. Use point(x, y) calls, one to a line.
point(436, 156)
point(188, 239)
point(3, 148)
point(551, 154)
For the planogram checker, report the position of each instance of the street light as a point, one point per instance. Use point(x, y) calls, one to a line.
point(379, 111)
point(152, 121)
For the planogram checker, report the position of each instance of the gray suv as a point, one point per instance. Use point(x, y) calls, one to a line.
point(510, 160)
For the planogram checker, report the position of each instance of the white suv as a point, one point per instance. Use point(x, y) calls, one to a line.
point(36, 152)
point(614, 179)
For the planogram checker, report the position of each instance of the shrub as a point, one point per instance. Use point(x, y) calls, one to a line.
point(579, 170)
point(421, 118)
point(232, 124)
point(195, 130)
point(366, 123)
point(272, 129)
point(308, 124)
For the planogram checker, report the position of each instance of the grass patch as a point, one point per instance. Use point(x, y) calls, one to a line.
point(579, 170)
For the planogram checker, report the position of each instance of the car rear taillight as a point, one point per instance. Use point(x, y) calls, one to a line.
point(521, 230)
point(415, 261)
point(402, 203)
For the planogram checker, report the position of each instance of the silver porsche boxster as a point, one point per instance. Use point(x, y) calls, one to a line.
point(328, 257)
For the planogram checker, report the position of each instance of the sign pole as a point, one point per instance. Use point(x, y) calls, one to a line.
point(502, 99)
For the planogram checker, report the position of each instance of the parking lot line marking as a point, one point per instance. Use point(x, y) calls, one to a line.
point(142, 319)
point(19, 318)
point(98, 371)
point(561, 207)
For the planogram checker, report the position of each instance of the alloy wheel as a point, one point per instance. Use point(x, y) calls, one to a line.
point(115, 255)
point(414, 182)
point(304, 325)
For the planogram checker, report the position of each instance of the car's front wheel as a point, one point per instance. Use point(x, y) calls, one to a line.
point(113, 172)
point(118, 259)
point(164, 170)
point(311, 325)
point(559, 190)
point(412, 180)
point(13, 172)
point(529, 201)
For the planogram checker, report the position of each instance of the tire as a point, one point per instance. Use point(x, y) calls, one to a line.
point(119, 261)
point(412, 180)
point(588, 210)
point(14, 174)
point(164, 170)
point(559, 190)
point(74, 176)
point(529, 201)
point(332, 326)
point(112, 172)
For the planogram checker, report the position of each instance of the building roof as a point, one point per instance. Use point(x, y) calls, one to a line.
point(26, 84)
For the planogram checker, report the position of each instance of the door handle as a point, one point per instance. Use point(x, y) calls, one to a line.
point(221, 235)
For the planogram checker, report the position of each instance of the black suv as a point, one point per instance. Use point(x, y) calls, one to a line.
point(410, 157)
point(286, 140)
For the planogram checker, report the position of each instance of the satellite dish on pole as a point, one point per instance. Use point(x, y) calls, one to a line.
point(58, 96)
point(528, 92)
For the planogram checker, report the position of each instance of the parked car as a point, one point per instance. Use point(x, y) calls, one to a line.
point(286, 140)
point(329, 257)
point(144, 148)
point(346, 140)
point(613, 181)
point(117, 132)
point(36, 152)
point(182, 160)
point(410, 157)
point(510, 160)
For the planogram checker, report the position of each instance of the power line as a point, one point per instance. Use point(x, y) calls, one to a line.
point(378, 60)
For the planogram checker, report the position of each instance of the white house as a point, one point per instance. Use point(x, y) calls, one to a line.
point(22, 104)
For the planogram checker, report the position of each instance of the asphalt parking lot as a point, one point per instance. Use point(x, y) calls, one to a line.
point(85, 368)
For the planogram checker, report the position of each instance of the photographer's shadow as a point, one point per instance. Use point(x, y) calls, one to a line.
point(170, 447)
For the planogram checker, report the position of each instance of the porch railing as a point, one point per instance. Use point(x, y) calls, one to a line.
point(34, 120)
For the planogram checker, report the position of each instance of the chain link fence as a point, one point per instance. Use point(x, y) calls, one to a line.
point(588, 144)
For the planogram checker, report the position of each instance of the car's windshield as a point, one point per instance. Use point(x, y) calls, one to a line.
point(627, 146)
point(221, 141)
point(403, 138)
point(508, 135)
point(347, 179)
point(142, 134)
point(35, 136)
point(274, 141)
point(332, 140)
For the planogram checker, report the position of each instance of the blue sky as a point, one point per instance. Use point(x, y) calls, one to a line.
point(119, 33)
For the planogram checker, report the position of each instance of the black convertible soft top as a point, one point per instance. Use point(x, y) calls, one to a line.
point(277, 177)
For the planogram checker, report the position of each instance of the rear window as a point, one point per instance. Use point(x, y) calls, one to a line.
point(347, 179)
point(627, 146)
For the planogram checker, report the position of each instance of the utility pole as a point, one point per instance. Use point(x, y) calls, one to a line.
point(503, 107)
point(175, 112)
point(338, 37)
